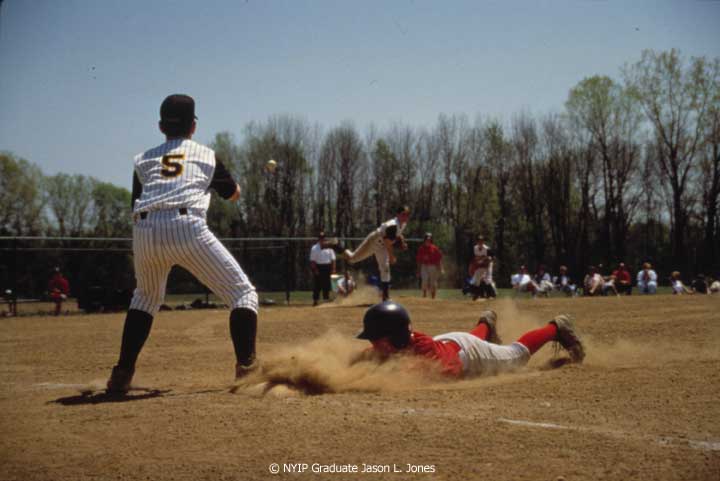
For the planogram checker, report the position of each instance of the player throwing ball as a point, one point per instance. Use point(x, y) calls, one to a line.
point(462, 354)
point(381, 243)
point(170, 200)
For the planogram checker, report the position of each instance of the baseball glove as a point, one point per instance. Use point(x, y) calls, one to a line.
point(400, 243)
point(483, 261)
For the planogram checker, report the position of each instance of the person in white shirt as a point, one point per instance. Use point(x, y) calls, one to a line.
point(522, 282)
point(543, 281)
point(322, 264)
point(593, 283)
point(647, 279)
point(677, 284)
point(346, 285)
point(563, 282)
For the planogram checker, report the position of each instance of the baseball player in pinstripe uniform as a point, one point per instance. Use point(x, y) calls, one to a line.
point(170, 200)
point(381, 243)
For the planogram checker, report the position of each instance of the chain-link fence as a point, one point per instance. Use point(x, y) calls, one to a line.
point(103, 267)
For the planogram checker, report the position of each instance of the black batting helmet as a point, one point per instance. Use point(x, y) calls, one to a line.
point(387, 319)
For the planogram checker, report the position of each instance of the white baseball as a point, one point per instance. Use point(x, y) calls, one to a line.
point(270, 166)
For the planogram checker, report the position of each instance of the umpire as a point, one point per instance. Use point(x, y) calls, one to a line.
point(322, 263)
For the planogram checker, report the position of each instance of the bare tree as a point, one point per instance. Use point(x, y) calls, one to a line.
point(612, 119)
point(710, 184)
point(70, 201)
point(499, 158)
point(557, 187)
point(528, 169)
point(451, 135)
point(676, 99)
point(426, 153)
point(343, 154)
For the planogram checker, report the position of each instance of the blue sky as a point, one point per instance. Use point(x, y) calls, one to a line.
point(81, 81)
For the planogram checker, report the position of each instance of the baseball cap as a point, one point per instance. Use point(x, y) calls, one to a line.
point(178, 109)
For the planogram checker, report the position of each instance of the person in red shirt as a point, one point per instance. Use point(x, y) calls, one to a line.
point(59, 289)
point(463, 354)
point(623, 281)
point(429, 265)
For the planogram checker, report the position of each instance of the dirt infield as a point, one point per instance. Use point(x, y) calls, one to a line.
point(644, 405)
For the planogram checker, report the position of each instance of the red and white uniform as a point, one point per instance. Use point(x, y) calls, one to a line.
point(466, 354)
point(482, 274)
point(429, 260)
point(59, 287)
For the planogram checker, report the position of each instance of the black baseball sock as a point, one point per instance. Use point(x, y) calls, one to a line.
point(385, 290)
point(243, 329)
point(135, 333)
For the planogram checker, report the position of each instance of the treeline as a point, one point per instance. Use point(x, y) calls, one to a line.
point(628, 170)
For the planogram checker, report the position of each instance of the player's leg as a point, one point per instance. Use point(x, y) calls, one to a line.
point(433, 279)
point(560, 329)
point(489, 284)
point(383, 261)
point(366, 248)
point(213, 265)
point(325, 281)
point(480, 357)
point(424, 278)
point(152, 266)
point(316, 288)
point(486, 328)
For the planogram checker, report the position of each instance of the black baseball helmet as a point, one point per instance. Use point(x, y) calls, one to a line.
point(387, 319)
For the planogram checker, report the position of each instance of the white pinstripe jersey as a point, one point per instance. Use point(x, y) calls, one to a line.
point(175, 174)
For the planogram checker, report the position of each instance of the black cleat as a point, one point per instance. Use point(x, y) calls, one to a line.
point(119, 382)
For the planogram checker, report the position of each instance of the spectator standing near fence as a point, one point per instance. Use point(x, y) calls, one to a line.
point(429, 265)
point(623, 280)
point(647, 279)
point(59, 289)
point(322, 264)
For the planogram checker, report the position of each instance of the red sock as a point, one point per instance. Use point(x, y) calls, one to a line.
point(481, 330)
point(537, 338)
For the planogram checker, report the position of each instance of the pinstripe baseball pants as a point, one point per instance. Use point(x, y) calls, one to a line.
point(166, 238)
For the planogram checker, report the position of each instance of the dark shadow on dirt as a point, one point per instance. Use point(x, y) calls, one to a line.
point(105, 397)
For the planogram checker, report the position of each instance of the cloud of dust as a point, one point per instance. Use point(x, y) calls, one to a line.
point(512, 322)
point(362, 296)
point(324, 365)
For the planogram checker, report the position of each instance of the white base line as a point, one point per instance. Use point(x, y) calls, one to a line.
point(663, 441)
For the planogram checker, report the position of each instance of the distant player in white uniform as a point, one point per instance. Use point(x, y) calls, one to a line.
point(482, 263)
point(381, 243)
point(170, 200)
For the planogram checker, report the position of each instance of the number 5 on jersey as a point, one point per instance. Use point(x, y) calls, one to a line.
point(171, 165)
